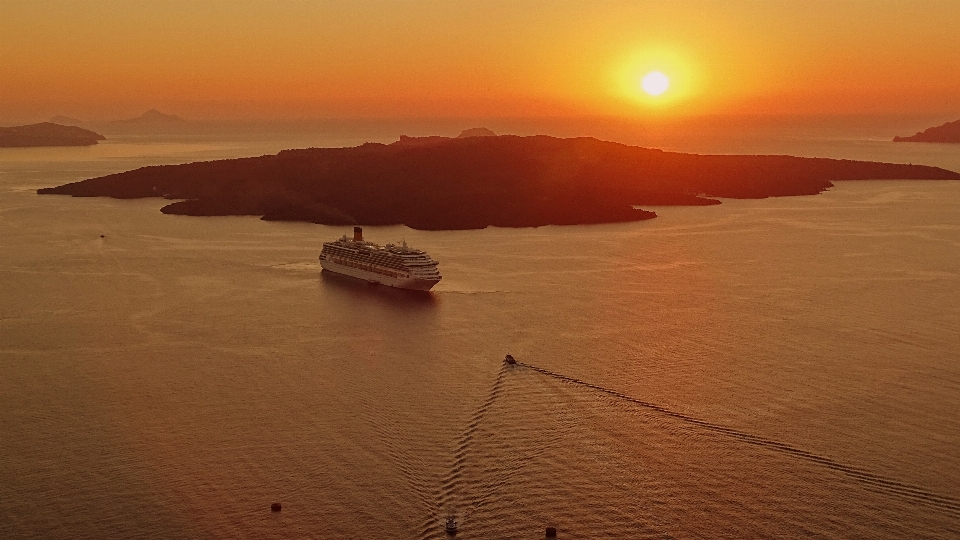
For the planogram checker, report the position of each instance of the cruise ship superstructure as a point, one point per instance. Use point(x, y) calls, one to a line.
point(394, 265)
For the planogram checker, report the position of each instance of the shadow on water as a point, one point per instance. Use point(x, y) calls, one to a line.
point(360, 289)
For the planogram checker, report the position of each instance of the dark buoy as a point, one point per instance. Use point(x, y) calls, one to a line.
point(509, 360)
point(102, 236)
point(275, 507)
point(551, 532)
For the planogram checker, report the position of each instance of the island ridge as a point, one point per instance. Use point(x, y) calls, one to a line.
point(438, 183)
point(946, 133)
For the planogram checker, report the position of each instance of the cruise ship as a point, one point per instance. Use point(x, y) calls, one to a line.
point(393, 265)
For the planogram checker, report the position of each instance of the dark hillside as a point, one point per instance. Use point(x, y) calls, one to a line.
point(947, 133)
point(474, 182)
point(47, 134)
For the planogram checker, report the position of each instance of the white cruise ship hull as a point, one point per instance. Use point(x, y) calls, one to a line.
point(390, 281)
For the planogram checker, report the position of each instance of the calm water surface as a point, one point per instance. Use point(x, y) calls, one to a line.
point(778, 368)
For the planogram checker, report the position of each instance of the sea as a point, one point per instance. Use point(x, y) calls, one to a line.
point(777, 368)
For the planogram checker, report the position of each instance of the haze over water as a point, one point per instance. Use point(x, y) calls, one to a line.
point(764, 368)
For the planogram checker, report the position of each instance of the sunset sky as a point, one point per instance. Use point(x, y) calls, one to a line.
point(484, 58)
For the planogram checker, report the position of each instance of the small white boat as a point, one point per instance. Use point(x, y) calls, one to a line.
point(451, 526)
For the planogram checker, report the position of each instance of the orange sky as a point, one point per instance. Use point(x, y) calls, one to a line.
point(475, 58)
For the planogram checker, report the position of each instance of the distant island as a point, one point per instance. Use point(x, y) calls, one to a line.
point(947, 133)
point(476, 132)
point(47, 134)
point(66, 121)
point(152, 117)
point(438, 183)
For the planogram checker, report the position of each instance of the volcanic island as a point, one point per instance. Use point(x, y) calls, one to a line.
point(441, 183)
point(946, 133)
point(47, 134)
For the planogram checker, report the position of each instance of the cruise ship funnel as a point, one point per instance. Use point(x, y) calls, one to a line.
point(358, 234)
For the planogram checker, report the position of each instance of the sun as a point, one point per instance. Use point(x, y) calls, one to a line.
point(655, 83)
point(661, 81)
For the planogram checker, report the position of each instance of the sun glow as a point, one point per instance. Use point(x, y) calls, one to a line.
point(655, 83)
point(663, 80)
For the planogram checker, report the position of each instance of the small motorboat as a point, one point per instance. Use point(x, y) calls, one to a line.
point(451, 526)
point(509, 360)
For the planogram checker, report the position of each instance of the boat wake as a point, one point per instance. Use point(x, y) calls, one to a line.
point(871, 480)
point(448, 497)
point(483, 467)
